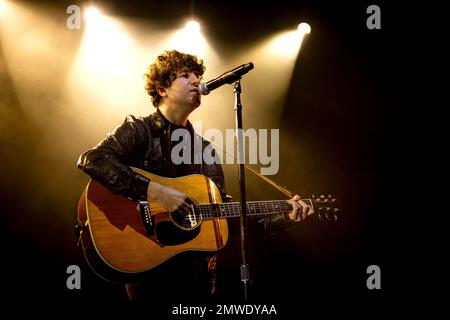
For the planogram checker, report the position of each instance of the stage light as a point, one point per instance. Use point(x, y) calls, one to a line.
point(189, 40)
point(289, 43)
point(193, 26)
point(304, 28)
point(2, 7)
point(104, 42)
point(92, 14)
point(102, 66)
point(275, 59)
point(286, 44)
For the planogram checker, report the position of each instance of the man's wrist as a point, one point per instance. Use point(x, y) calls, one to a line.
point(152, 189)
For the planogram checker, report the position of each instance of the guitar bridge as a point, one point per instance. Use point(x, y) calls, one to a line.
point(147, 219)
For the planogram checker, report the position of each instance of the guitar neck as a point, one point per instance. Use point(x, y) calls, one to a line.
point(233, 209)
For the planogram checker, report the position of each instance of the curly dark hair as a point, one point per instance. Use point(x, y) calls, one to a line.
point(164, 70)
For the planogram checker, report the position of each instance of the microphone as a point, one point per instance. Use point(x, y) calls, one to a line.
point(227, 77)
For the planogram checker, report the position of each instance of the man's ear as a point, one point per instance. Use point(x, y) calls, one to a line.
point(162, 91)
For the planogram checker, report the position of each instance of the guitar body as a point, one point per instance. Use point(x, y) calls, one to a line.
point(115, 242)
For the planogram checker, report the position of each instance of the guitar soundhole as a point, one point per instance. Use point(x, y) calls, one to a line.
point(186, 221)
point(169, 234)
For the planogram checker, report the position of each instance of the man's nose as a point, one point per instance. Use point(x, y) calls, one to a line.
point(195, 81)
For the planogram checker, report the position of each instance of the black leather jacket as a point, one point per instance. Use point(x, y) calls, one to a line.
point(144, 143)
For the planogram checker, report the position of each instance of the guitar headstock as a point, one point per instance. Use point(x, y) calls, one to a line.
point(325, 207)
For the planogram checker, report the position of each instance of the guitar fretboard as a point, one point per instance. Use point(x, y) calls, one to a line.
point(233, 209)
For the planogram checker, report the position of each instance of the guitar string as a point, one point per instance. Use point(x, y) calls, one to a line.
point(233, 209)
point(217, 210)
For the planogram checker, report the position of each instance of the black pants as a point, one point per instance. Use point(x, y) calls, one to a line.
point(188, 277)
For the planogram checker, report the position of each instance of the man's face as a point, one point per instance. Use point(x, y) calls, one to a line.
point(184, 89)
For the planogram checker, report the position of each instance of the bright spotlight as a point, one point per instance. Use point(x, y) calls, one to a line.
point(290, 42)
point(92, 13)
point(304, 28)
point(193, 26)
point(189, 39)
point(286, 44)
point(2, 7)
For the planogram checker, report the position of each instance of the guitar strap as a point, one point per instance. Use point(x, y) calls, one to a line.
point(267, 180)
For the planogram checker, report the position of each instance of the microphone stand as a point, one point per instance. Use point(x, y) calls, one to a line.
point(245, 268)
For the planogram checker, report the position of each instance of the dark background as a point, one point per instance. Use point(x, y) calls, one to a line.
point(343, 86)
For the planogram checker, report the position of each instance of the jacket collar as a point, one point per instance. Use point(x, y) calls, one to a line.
point(159, 122)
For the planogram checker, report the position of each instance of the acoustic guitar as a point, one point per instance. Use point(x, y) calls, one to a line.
point(123, 239)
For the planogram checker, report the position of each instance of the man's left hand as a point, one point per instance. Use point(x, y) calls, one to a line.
point(300, 210)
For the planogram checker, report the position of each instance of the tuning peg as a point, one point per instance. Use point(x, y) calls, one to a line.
point(323, 213)
point(320, 213)
point(318, 199)
point(328, 213)
point(334, 214)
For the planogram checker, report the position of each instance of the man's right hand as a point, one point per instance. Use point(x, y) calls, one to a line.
point(168, 197)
